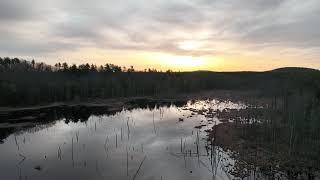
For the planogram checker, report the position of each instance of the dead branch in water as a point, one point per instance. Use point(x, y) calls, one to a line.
point(134, 177)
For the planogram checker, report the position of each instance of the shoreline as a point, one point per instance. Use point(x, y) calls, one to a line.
point(232, 95)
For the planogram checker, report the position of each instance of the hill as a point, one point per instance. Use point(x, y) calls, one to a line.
point(28, 83)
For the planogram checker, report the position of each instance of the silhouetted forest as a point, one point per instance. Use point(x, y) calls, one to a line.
point(28, 82)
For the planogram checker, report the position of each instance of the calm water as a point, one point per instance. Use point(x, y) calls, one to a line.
point(137, 144)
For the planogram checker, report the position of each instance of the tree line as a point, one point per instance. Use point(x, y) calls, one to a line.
point(19, 65)
point(29, 83)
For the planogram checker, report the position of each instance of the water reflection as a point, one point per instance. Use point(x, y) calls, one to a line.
point(153, 143)
point(189, 140)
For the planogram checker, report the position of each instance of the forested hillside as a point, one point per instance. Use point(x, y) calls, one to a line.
point(28, 83)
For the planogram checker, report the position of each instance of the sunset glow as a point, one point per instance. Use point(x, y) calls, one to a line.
point(180, 35)
point(182, 61)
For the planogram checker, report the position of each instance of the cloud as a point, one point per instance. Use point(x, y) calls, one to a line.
point(222, 27)
point(15, 10)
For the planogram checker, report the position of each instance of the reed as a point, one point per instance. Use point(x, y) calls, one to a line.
point(72, 152)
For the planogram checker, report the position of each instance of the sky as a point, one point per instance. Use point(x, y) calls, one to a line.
point(185, 35)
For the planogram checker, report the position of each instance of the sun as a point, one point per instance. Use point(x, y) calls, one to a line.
point(182, 62)
point(187, 61)
point(166, 61)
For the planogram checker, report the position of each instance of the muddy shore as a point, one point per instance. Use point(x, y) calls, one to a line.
point(255, 154)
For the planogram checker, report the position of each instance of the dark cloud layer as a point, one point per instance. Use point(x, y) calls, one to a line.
point(15, 10)
point(42, 27)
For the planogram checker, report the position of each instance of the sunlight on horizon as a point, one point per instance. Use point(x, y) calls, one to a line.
point(142, 60)
point(163, 61)
point(183, 61)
